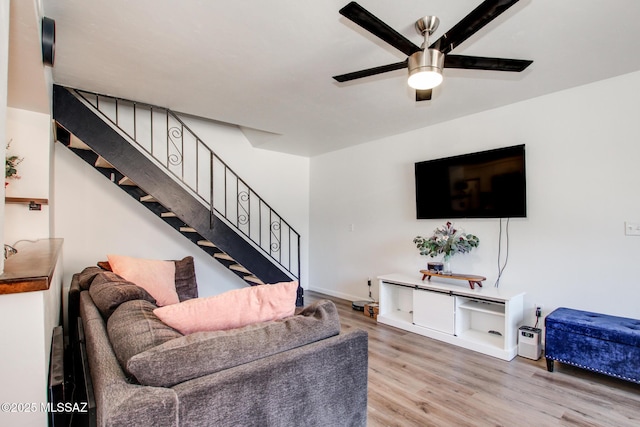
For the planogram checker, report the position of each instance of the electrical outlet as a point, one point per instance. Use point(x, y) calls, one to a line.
point(632, 229)
point(538, 311)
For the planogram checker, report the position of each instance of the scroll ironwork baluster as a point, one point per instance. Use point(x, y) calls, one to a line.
point(275, 245)
point(243, 212)
point(174, 159)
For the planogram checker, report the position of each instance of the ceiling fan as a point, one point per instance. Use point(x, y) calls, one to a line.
point(425, 63)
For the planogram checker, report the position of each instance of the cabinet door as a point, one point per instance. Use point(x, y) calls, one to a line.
point(434, 310)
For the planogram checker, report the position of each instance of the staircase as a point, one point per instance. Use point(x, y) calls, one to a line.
point(151, 154)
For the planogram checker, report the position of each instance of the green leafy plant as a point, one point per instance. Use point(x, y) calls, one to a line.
point(446, 240)
point(11, 171)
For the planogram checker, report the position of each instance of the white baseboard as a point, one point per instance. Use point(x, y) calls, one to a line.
point(338, 294)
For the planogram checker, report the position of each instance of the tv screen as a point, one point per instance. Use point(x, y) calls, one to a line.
point(487, 184)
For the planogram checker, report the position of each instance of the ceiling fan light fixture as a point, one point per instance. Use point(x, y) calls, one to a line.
point(425, 69)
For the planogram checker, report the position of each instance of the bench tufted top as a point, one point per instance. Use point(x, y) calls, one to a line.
point(622, 330)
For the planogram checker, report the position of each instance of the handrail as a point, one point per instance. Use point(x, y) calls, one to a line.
point(181, 153)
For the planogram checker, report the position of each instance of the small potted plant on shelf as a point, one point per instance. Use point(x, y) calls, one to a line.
point(11, 164)
point(448, 241)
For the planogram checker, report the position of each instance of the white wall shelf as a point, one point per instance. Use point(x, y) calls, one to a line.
point(482, 319)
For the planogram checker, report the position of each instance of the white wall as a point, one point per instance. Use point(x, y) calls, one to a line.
point(27, 319)
point(582, 150)
point(96, 218)
point(30, 135)
point(4, 61)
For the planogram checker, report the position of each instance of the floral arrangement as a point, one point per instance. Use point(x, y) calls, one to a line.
point(446, 240)
point(11, 171)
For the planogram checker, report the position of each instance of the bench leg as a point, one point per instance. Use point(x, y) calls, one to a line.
point(550, 365)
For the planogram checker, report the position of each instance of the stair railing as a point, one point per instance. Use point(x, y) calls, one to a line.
point(164, 137)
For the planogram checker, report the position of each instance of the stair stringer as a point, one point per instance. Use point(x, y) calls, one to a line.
point(109, 144)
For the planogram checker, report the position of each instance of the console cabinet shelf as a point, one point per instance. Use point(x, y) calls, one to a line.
point(482, 319)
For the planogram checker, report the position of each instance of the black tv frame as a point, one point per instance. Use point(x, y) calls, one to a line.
point(439, 196)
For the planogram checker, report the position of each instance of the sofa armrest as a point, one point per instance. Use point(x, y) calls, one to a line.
point(73, 307)
point(319, 384)
point(118, 402)
point(79, 282)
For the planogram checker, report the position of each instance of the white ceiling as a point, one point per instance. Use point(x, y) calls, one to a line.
point(266, 66)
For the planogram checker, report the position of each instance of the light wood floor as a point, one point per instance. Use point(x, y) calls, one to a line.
point(418, 381)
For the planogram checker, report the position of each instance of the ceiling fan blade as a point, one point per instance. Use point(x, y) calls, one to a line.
point(423, 95)
point(359, 15)
point(482, 63)
point(470, 24)
point(371, 71)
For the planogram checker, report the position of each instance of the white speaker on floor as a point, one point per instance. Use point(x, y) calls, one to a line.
point(529, 342)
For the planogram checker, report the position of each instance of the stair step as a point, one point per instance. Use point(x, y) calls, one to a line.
point(222, 255)
point(168, 215)
point(148, 198)
point(187, 230)
point(101, 162)
point(206, 243)
point(126, 181)
point(74, 142)
point(253, 279)
point(238, 267)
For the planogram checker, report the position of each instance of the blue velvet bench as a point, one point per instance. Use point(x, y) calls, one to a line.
point(598, 342)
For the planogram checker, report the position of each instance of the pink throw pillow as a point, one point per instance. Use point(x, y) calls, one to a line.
point(154, 276)
point(232, 309)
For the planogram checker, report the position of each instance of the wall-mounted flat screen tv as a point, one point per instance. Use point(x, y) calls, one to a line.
point(487, 184)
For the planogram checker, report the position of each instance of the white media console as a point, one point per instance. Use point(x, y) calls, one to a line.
point(484, 319)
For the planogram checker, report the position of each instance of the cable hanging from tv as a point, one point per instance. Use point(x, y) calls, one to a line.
point(501, 267)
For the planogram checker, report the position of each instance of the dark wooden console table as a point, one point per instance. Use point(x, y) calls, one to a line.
point(472, 279)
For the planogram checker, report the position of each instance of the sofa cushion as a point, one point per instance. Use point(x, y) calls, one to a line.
point(156, 276)
point(232, 309)
point(204, 353)
point(108, 291)
point(133, 329)
point(86, 276)
point(186, 284)
point(185, 278)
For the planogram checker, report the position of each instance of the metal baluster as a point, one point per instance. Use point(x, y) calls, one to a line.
point(211, 190)
point(135, 127)
point(151, 131)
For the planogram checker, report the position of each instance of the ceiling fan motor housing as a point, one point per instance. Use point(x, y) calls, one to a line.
point(429, 61)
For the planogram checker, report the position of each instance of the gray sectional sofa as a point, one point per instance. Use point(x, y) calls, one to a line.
point(295, 371)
